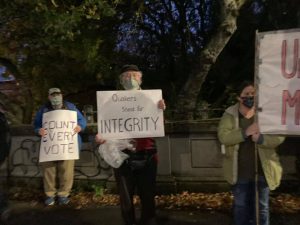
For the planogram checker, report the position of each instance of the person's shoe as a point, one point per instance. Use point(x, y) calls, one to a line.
point(49, 201)
point(63, 200)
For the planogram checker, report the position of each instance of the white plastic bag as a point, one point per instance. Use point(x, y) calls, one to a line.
point(111, 151)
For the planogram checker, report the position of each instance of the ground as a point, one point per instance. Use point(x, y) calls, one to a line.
point(100, 208)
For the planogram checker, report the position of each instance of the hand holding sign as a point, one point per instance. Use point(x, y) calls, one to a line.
point(255, 137)
point(99, 139)
point(42, 132)
point(161, 104)
point(252, 129)
point(77, 129)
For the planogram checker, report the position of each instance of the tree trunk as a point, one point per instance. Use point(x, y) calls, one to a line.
point(187, 98)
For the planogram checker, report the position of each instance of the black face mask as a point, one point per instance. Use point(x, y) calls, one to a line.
point(248, 101)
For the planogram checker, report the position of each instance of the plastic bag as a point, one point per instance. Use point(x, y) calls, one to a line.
point(111, 151)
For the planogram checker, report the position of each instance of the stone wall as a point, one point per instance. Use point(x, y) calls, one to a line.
point(189, 158)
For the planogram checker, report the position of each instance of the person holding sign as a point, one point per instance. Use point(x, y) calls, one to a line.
point(240, 135)
point(61, 169)
point(140, 168)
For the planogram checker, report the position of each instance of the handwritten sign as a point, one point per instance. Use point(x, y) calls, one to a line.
point(60, 142)
point(130, 114)
point(278, 71)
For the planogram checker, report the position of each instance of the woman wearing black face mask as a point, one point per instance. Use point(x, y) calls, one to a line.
point(239, 133)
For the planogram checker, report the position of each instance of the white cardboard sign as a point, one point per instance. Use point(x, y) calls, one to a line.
point(60, 142)
point(278, 72)
point(130, 114)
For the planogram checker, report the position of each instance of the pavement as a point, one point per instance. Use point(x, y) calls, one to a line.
point(32, 213)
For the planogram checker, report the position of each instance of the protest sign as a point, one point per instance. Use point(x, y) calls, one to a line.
point(60, 142)
point(278, 82)
point(129, 114)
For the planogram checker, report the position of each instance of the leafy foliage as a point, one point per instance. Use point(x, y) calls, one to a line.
point(236, 62)
point(58, 43)
point(222, 201)
point(79, 45)
point(167, 36)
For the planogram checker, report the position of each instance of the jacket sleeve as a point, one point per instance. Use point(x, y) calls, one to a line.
point(81, 121)
point(228, 134)
point(38, 121)
point(271, 141)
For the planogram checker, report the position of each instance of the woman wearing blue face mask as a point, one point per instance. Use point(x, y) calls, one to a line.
point(239, 135)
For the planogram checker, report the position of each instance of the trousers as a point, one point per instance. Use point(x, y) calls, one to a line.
point(244, 205)
point(142, 180)
point(61, 171)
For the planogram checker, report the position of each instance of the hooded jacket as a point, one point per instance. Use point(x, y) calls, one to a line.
point(230, 136)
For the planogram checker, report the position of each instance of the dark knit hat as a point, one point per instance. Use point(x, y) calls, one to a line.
point(129, 67)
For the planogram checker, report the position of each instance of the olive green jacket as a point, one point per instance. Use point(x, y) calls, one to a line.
point(230, 135)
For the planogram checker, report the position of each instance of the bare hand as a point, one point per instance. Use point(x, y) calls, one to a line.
point(42, 132)
point(161, 104)
point(77, 129)
point(99, 139)
point(252, 129)
point(255, 137)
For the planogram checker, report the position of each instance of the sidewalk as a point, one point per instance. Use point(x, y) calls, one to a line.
point(26, 214)
point(22, 213)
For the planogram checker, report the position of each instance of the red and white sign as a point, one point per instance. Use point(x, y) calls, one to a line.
point(278, 81)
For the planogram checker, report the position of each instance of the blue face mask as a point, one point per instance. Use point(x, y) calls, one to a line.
point(56, 100)
point(131, 84)
point(248, 101)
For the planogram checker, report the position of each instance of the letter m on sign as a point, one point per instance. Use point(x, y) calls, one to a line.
point(292, 102)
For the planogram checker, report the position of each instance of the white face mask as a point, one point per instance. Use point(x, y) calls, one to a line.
point(56, 100)
point(130, 84)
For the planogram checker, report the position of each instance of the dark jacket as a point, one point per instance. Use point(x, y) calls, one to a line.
point(5, 138)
